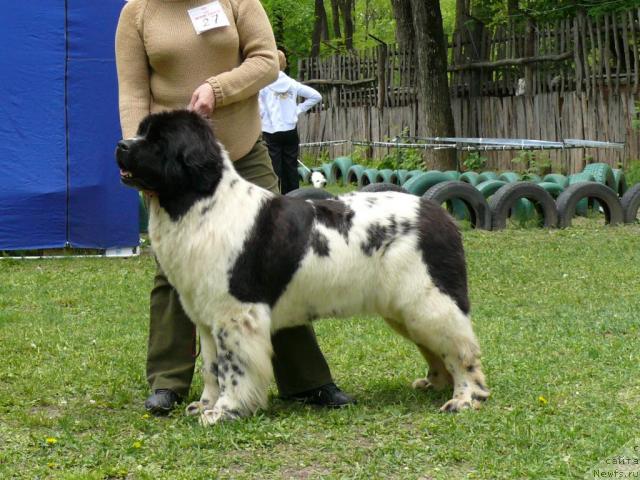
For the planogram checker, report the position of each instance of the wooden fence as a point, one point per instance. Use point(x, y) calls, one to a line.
point(573, 78)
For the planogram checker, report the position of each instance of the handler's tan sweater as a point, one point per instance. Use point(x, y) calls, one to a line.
point(161, 61)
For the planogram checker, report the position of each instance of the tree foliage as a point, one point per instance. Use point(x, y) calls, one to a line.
point(293, 20)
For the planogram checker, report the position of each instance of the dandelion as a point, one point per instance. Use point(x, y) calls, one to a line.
point(137, 444)
point(52, 465)
point(146, 416)
point(51, 440)
point(542, 401)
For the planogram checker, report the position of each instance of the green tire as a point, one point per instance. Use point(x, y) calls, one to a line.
point(553, 188)
point(339, 168)
point(621, 181)
point(602, 173)
point(399, 176)
point(557, 178)
point(421, 183)
point(469, 177)
point(384, 176)
point(369, 176)
point(509, 177)
point(328, 172)
point(411, 174)
point(304, 174)
point(532, 177)
point(354, 175)
point(583, 205)
point(489, 187)
point(484, 176)
point(453, 175)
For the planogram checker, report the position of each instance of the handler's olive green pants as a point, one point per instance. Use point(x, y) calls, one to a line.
point(298, 362)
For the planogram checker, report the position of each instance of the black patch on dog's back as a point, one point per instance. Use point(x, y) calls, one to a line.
point(319, 244)
point(272, 252)
point(334, 214)
point(376, 236)
point(442, 252)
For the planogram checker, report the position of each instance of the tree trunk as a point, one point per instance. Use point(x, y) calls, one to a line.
point(404, 22)
point(346, 7)
point(433, 86)
point(320, 28)
point(462, 13)
point(335, 18)
point(513, 7)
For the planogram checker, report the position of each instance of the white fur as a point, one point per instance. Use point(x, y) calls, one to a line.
point(318, 180)
point(198, 251)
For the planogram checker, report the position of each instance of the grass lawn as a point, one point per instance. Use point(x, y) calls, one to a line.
point(557, 314)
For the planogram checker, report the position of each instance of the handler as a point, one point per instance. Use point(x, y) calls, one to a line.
point(279, 112)
point(213, 57)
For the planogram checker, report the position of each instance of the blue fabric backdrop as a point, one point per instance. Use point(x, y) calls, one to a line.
point(59, 126)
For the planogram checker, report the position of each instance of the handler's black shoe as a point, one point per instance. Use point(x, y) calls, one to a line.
point(328, 395)
point(161, 402)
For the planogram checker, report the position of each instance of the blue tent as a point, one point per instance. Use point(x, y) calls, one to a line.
point(59, 183)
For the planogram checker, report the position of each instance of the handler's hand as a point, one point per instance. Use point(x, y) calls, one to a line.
point(203, 101)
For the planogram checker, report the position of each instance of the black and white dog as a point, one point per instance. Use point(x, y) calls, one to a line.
point(247, 262)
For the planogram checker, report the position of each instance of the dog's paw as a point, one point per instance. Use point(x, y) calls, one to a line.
point(216, 415)
point(196, 408)
point(457, 405)
point(421, 384)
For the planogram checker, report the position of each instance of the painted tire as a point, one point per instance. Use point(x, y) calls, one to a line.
point(620, 180)
point(631, 203)
point(466, 193)
point(419, 184)
point(400, 176)
point(411, 174)
point(557, 178)
point(607, 198)
point(484, 176)
point(368, 177)
point(531, 177)
point(339, 168)
point(505, 199)
point(509, 177)
point(383, 187)
point(329, 174)
point(304, 175)
point(489, 187)
point(354, 175)
point(452, 174)
point(554, 189)
point(310, 193)
point(602, 173)
point(469, 177)
point(384, 176)
point(583, 205)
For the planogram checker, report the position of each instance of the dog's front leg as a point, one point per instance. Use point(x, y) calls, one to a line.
point(211, 391)
point(243, 343)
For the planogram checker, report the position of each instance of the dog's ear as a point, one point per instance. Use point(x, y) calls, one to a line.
point(202, 160)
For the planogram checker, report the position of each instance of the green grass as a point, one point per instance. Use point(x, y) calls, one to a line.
point(557, 314)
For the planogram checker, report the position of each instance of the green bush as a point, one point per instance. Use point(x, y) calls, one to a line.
point(474, 162)
point(632, 173)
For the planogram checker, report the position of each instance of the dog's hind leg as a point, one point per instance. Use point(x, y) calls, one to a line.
point(445, 337)
point(243, 342)
point(209, 373)
point(438, 377)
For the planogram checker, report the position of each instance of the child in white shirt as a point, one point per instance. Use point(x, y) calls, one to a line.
point(279, 112)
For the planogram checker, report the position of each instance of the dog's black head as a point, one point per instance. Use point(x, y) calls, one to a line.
point(174, 156)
